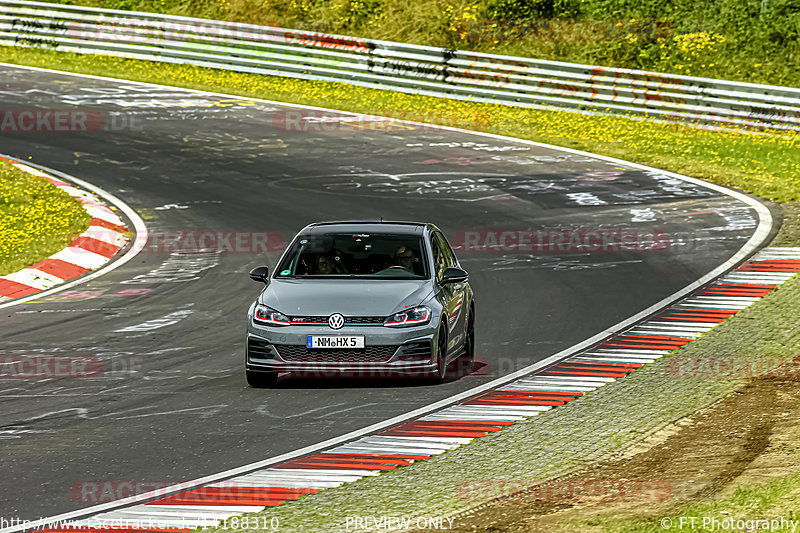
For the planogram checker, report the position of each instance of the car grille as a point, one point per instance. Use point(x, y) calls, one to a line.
point(348, 320)
point(370, 354)
point(364, 320)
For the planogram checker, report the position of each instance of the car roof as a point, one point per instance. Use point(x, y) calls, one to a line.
point(398, 227)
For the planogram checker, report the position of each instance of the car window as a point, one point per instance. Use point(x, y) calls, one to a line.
point(447, 252)
point(355, 255)
point(439, 257)
point(453, 257)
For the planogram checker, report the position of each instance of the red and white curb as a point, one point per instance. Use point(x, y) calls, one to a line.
point(105, 236)
point(456, 425)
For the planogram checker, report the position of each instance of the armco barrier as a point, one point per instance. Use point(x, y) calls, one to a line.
point(398, 66)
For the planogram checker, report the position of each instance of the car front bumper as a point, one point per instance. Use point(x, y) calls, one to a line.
point(388, 352)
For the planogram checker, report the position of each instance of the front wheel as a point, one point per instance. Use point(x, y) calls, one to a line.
point(439, 374)
point(469, 343)
point(261, 380)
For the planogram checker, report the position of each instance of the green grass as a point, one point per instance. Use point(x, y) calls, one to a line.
point(746, 40)
point(746, 503)
point(37, 219)
point(767, 165)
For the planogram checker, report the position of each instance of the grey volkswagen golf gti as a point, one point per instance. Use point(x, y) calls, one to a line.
point(364, 299)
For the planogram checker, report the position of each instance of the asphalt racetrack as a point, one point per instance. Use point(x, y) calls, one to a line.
point(171, 403)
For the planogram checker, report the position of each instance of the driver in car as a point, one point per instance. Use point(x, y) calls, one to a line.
point(327, 265)
point(324, 265)
point(405, 257)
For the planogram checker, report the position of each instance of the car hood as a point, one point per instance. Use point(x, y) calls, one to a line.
point(320, 297)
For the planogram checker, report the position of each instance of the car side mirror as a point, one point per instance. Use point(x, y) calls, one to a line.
point(260, 274)
point(454, 275)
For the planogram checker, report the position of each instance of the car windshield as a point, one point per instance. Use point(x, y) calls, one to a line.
point(355, 255)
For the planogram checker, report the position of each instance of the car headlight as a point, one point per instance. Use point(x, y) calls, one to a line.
point(268, 315)
point(410, 317)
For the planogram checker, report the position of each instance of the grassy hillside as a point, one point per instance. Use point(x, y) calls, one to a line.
point(748, 40)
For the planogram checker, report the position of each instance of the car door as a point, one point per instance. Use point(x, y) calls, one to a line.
point(452, 294)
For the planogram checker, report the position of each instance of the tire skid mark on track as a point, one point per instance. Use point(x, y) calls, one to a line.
point(449, 428)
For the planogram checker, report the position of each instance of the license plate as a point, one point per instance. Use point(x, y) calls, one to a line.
point(335, 341)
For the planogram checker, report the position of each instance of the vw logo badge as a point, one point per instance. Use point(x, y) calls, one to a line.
point(336, 321)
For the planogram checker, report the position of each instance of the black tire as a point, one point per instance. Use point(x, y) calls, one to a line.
point(261, 380)
point(469, 343)
point(439, 375)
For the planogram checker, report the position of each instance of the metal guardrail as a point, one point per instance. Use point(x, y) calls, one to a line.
point(398, 66)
